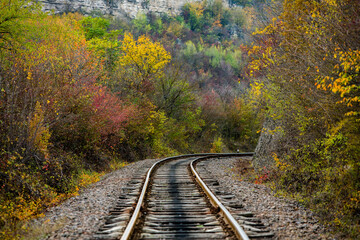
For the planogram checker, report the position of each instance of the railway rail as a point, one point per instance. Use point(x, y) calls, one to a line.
point(178, 199)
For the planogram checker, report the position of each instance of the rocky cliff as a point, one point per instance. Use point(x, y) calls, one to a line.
point(128, 8)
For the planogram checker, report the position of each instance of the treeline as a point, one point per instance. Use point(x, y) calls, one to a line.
point(207, 41)
point(306, 63)
point(81, 95)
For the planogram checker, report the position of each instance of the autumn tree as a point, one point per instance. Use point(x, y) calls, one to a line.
point(103, 41)
point(12, 14)
point(193, 13)
point(53, 109)
point(308, 61)
point(141, 63)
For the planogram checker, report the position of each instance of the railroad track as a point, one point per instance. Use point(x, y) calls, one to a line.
point(179, 200)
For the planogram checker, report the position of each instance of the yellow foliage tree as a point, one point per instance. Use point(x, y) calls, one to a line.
point(309, 59)
point(346, 80)
point(217, 146)
point(141, 62)
point(197, 8)
point(39, 133)
point(318, 47)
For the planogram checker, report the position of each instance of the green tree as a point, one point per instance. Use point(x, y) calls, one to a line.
point(193, 14)
point(102, 40)
point(141, 23)
point(173, 93)
point(95, 27)
point(12, 14)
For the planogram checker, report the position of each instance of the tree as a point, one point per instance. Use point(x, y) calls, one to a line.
point(141, 23)
point(47, 89)
point(141, 62)
point(12, 14)
point(173, 93)
point(308, 59)
point(193, 14)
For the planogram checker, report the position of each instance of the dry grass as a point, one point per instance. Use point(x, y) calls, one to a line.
point(34, 230)
point(245, 169)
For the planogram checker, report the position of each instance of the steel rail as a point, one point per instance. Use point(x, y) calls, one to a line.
point(137, 212)
point(238, 230)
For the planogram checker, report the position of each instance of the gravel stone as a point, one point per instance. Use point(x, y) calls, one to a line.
point(81, 216)
point(286, 218)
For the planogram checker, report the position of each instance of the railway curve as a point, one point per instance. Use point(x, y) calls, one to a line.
point(176, 201)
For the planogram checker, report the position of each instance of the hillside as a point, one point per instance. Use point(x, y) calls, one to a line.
point(102, 84)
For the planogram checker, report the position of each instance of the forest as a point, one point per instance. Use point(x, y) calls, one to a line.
point(81, 96)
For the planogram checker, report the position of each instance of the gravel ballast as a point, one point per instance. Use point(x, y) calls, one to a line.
point(286, 218)
point(81, 216)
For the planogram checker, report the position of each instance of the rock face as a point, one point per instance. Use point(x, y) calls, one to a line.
point(128, 8)
point(268, 142)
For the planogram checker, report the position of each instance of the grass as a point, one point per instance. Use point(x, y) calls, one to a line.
point(31, 225)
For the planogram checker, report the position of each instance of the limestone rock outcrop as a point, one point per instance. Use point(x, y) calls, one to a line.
point(129, 8)
point(268, 143)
